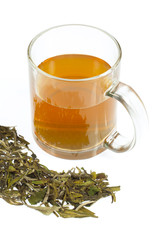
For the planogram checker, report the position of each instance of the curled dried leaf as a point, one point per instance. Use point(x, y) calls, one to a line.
point(24, 181)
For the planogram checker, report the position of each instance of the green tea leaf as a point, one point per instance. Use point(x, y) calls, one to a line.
point(39, 182)
point(94, 175)
point(11, 169)
point(44, 210)
point(75, 197)
point(12, 201)
point(101, 176)
point(13, 181)
point(113, 189)
point(93, 190)
point(81, 213)
point(37, 197)
point(84, 183)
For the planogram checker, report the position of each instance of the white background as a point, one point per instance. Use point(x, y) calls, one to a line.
point(137, 26)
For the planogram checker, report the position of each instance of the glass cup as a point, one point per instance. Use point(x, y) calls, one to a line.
point(76, 118)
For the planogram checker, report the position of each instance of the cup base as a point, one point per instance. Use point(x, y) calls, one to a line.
point(72, 155)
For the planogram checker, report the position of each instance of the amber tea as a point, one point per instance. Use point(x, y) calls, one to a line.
point(70, 114)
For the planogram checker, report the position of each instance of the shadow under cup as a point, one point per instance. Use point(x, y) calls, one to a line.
point(72, 118)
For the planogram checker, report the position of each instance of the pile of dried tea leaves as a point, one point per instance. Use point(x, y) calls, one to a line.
point(24, 181)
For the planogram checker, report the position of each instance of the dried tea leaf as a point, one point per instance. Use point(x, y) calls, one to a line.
point(44, 210)
point(24, 181)
point(94, 175)
point(39, 182)
point(13, 181)
point(81, 213)
point(84, 183)
point(93, 190)
point(76, 197)
point(37, 197)
point(101, 176)
point(12, 201)
point(11, 169)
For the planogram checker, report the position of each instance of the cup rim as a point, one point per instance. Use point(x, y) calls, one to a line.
point(113, 67)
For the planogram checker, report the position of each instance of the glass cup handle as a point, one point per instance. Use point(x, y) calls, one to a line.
point(135, 107)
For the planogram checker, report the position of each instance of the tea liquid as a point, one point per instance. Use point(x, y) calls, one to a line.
point(74, 114)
